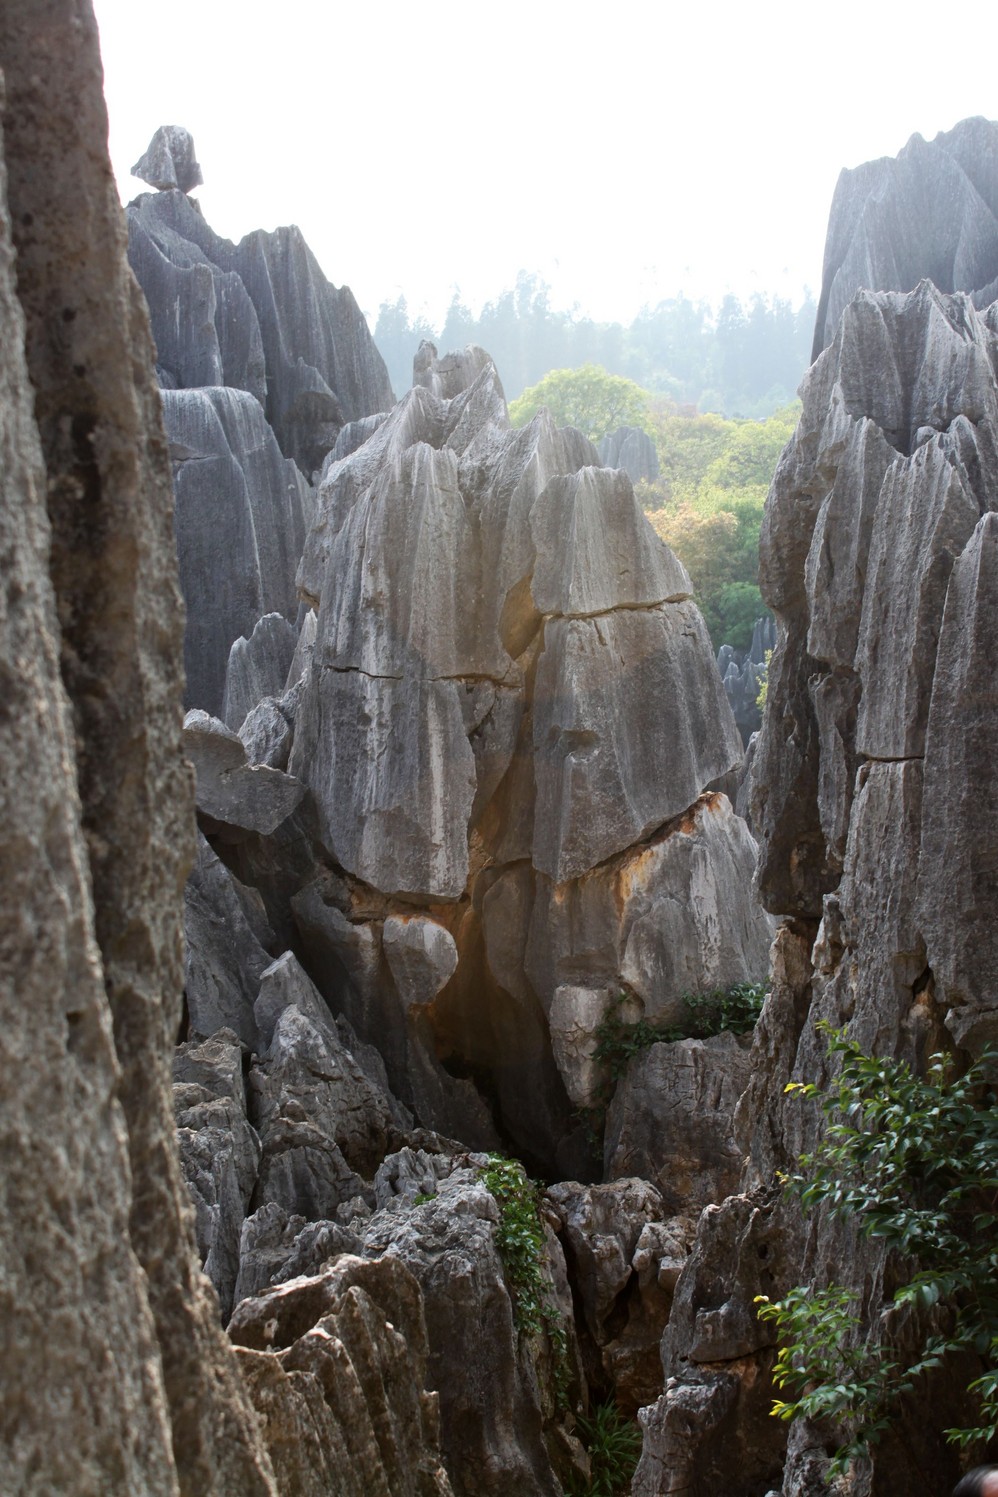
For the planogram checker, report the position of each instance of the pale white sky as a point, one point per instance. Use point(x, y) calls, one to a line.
point(624, 152)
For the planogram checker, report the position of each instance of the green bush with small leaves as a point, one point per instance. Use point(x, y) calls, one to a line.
point(913, 1162)
point(735, 1009)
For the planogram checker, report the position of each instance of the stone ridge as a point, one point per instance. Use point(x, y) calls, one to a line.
point(931, 213)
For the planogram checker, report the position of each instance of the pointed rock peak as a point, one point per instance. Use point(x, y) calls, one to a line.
point(169, 161)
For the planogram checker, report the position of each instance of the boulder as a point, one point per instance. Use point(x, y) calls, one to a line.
point(229, 788)
point(169, 161)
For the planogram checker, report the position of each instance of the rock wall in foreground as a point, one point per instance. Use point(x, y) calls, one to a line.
point(116, 1373)
point(872, 803)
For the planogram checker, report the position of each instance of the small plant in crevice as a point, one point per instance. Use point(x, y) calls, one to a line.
point(521, 1244)
point(613, 1443)
point(913, 1162)
point(735, 1009)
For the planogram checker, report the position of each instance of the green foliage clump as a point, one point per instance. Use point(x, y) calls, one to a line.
point(520, 1240)
point(708, 506)
point(614, 1445)
point(618, 1040)
point(735, 1009)
point(913, 1162)
point(595, 402)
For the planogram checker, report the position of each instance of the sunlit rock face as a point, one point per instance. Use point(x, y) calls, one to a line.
point(871, 802)
point(510, 708)
point(930, 213)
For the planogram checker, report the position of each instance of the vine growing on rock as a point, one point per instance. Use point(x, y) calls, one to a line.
point(521, 1244)
point(913, 1161)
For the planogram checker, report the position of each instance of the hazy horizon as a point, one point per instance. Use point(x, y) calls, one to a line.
point(427, 152)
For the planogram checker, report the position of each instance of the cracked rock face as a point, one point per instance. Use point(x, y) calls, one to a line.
point(510, 689)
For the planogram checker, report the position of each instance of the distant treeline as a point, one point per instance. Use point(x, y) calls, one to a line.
point(738, 359)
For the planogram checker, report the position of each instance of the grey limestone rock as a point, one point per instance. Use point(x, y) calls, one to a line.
point(930, 213)
point(626, 1256)
point(869, 791)
point(879, 491)
point(337, 1365)
point(280, 329)
point(393, 777)
point(219, 1152)
point(224, 958)
point(957, 870)
point(596, 551)
point(447, 376)
point(258, 667)
point(670, 1119)
point(241, 514)
point(229, 788)
point(421, 954)
point(117, 1375)
point(631, 449)
point(670, 917)
point(169, 160)
point(449, 1246)
point(743, 676)
point(307, 1074)
point(630, 725)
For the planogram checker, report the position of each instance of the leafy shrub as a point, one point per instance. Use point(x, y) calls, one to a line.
point(735, 1009)
point(614, 1445)
point(913, 1162)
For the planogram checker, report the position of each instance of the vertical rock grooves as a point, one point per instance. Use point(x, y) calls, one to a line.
point(870, 797)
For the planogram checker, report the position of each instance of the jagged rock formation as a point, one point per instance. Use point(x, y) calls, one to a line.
point(743, 676)
point(500, 748)
point(930, 213)
point(263, 365)
point(116, 1374)
point(448, 816)
point(633, 450)
point(876, 832)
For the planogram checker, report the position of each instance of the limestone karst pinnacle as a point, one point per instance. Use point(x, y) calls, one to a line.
point(452, 829)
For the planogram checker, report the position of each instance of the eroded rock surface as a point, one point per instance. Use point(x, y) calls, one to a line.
point(868, 793)
point(930, 213)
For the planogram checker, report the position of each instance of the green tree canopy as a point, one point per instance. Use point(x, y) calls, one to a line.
point(588, 398)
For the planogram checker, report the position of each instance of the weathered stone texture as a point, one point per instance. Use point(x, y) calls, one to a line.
point(870, 792)
point(931, 213)
point(169, 1412)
